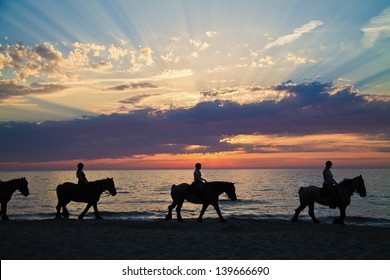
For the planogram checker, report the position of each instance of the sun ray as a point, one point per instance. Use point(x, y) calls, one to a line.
point(245, 66)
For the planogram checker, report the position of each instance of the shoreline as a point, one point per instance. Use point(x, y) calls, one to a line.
point(243, 239)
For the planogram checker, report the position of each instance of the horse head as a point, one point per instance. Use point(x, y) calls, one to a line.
point(22, 186)
point(230, 190)
point(110, 186)
point(360, 187)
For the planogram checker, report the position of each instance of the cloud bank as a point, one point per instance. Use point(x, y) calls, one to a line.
point(211, 126)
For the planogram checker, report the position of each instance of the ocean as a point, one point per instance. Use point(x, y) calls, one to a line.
point(267, 194)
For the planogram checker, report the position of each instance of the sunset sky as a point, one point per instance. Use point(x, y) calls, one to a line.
point(166, 84)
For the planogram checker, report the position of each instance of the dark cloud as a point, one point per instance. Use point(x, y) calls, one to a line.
point(135, 99)
point(11, 89)
point(133, 86)
point(216, 93)
point(48, 52)
point(310, 109)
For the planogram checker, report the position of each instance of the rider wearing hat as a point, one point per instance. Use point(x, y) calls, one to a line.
point(329, 185)
point(81, 175)
point(198, 180)
point(328, 176)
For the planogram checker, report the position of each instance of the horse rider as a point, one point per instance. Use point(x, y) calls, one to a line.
point(199, 182)
point(81, 175)
point(329, 185)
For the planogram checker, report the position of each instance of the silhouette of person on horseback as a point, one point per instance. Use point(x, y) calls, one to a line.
point(329, 186)
point(81, 175)
point(199, 182)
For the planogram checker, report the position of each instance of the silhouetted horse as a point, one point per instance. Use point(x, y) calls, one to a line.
point(212, 191)
point(309, 195)
point(89, 193)
point(6, 191)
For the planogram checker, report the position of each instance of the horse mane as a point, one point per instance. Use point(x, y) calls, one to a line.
point(345, 181)
point(12, 180)
point(220, 184)
point(99, 181)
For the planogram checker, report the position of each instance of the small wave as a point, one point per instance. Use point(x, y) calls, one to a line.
point(364, 221)
point(34, 216)
point(152, 215)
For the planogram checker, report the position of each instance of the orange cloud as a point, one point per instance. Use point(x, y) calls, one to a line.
point(317, 142)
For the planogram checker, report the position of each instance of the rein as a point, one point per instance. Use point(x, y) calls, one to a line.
point(356, 188)
point(100, 186)
point(14, 188)
point(355, 185)
point(106, 192)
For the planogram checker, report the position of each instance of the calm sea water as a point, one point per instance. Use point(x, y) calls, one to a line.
point(262, 194)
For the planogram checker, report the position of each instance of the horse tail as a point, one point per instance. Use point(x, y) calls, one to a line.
point(300, 190)
point(59, 190)
point(172, 189)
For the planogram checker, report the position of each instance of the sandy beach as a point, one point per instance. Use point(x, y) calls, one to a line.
point(237, 239)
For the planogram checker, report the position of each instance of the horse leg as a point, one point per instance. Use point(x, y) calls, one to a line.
point(97, 215)
point(311, 213)
point(178, 209)
point(216, 207)
point(340, 220)
point(65, 212)
point(297, 212)
point(204, 207)
point(58, 208)
point(85, 211)
point(4, 211)
point(170, 208)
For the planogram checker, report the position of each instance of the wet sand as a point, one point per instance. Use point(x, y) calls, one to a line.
point(147, 240)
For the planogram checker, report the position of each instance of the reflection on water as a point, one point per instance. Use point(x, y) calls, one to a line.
point(262, 193)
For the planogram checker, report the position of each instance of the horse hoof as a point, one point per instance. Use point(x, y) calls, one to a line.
point(223, 221)
point(168, 217)
point(5, 218)
point(80, 218)
point(294, 220)
point(200, 221)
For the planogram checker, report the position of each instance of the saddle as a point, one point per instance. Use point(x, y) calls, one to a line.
point(329, 192)
point(194, 190)
point(195, 193)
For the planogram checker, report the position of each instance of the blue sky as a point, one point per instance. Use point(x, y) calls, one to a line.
point(88, 63)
